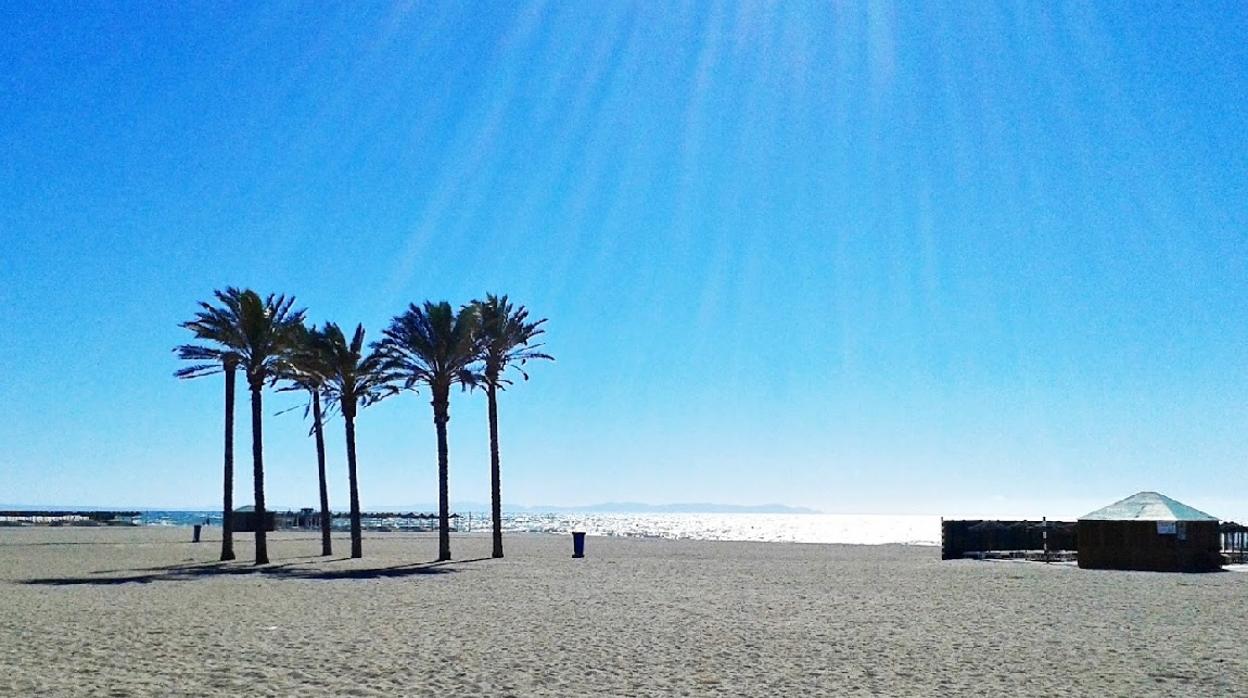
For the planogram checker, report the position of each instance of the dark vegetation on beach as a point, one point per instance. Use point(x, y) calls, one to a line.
point(430, 346)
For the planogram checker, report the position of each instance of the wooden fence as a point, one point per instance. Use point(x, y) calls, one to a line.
point(309, 519)
point(68, 518)
point(958, 538)
point(1234, 542)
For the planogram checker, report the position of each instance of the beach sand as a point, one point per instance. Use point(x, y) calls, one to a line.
point(144, 612)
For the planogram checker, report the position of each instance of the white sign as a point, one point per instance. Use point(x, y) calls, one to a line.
point(1165, 528)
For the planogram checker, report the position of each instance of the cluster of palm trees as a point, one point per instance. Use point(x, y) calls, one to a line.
point(430, 346)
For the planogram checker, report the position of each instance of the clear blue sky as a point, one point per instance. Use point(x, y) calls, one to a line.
point(936, 258)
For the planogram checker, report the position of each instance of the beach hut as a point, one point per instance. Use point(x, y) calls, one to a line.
point(245, 520)
point(1149, 531)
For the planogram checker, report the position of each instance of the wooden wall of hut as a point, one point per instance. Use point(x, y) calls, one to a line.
point(245, 521)
point(1137, 545)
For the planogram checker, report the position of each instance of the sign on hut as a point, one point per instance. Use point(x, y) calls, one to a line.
point(1149, 531)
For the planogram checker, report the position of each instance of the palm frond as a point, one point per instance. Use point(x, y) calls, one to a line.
point(431, 344)
point(258, 335)
point(198, 371)
point(304, 365)
point(353, 379)
point(506, 339)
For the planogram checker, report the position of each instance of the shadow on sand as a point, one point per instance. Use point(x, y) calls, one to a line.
point(188, 563)
point(289, 570)
point(210, 541)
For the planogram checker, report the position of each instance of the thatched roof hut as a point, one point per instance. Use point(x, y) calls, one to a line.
point(1149, 531)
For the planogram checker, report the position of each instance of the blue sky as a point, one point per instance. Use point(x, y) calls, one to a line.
point(864, 258)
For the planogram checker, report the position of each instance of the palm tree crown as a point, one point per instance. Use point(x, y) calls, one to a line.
point(352, 378)
point(304, 365)
point(258, 333)
point(270, 331)
point(209, 325)
point(433, 345)
point(505, 338)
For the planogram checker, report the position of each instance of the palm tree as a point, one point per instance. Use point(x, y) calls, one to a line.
point(505, 339)
point(213, 360)
point(306, 369)
point(433, 345)
point(262, 333)
point(352, 380)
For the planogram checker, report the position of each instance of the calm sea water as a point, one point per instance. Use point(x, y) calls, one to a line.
point(798, 528)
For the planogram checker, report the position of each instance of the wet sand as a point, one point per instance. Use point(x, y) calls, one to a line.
point(145, 612)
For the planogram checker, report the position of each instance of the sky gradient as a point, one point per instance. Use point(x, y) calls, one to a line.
point(947, 259)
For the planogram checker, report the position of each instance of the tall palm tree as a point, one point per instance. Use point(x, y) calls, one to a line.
point(306, 369)
point(352, 380)
point(505, 338)
point(262, 332)
point(210, 361)
point(433, 345)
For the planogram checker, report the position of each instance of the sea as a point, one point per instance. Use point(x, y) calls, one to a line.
point(862, 529)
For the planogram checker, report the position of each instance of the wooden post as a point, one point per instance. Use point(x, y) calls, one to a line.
point(1045, 522)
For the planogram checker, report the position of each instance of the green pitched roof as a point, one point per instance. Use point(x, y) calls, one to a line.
point(1148, 506)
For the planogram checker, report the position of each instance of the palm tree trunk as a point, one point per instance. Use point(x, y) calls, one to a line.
point(257, 462)
point(496, 488)
point(327, 547)
point(441, 413)
point(227, 499)
point(357, 539)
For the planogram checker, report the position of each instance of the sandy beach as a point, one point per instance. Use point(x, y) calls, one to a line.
point(145, 612)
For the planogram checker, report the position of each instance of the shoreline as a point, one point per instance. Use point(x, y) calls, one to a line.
point(207, 538)
point(862, 529)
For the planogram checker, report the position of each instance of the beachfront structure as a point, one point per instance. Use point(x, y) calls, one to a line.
point(1234, 542)
point(244, 519)
point(976, 538)
point(1149, 531)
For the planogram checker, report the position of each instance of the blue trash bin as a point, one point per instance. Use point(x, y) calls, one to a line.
point(578, 544)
